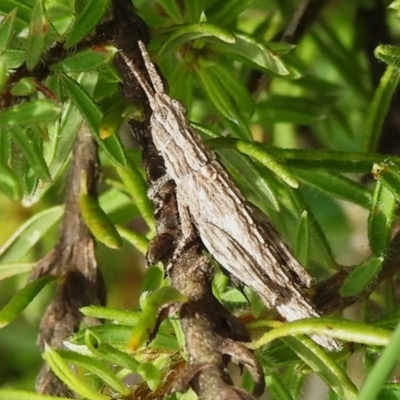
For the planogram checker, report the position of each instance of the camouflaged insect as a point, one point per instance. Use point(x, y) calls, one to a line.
point(209, 199)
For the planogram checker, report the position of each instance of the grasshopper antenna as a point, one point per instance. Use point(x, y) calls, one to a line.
point(151, 69)
point(140, 78)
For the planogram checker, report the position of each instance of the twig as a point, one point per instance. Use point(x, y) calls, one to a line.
point(73, 260)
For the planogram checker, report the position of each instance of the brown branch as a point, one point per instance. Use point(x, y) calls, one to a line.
point(73, 261)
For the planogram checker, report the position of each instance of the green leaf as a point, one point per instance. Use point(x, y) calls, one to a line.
point(120, 317)
point(225, 15)
point(222, 100)
point(5, 146)
point(152, 279)
point(341, 57)
point(181, 84)
point(294, 110)
point(38, 29)
point(150, 374)
point(113, 119)
point(7, 394)
point(10, 183)
point(336, 185)
point(62, 136)
point(31, 183)
point(118, 336)
point(339, 161)
point(22, 299)
point(7, 270)
point(389, 54)
point(389, 176)
point(379, 107)
point(98, 222)
point(152, 303)
point(319, 242)
point(114, 335)
point(361, 276)
point(347, 330)
point(380, 218)
point(93, 115)
point(3, 76)
point(136, 187)
point(389, 392)
point(118, 206)
point(109, 353)
point(193, 10)
point(382, 368)
point(61, 369)
point(259, 153)
point(172, 9)
point(86, 60)
point(24, 11)
point(6, 29)
point(97, 368)
point(91, 15)
point(24, 87)
point(30, 145)
point(302, 246)
point(255, 52)
point(33, 112)
point(235, 88)
point(28, 234)
point(327, 369)
point(188, 32)
point(277, 387)
point(137, 240)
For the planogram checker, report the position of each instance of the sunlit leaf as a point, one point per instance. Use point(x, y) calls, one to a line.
point(187, 32)
point(378, 108)
point(22, 299)
point(30, 145)
point(38, 29)
point(33, 112)
point(380, 218)
point(62, 370)
point(91, 15)
point(7, 270)
point(93, 115)
point(97, 368)
point(6, 29)
point(235, 88)
point(10, 183)
point(86, 60)
point(336, 185)
point(28, 234)
point(24, 87)
point(152, 303)
point(97, 221)
point(255, 52)
point(361, 276)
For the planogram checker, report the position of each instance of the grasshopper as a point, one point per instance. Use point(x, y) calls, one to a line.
point(210, 202)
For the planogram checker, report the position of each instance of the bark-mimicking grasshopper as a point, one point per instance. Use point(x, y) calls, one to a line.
point(209, 199)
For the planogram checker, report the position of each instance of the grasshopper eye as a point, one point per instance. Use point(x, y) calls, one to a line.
point(180, 106)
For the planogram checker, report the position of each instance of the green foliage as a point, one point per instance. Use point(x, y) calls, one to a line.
point(299, 127)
